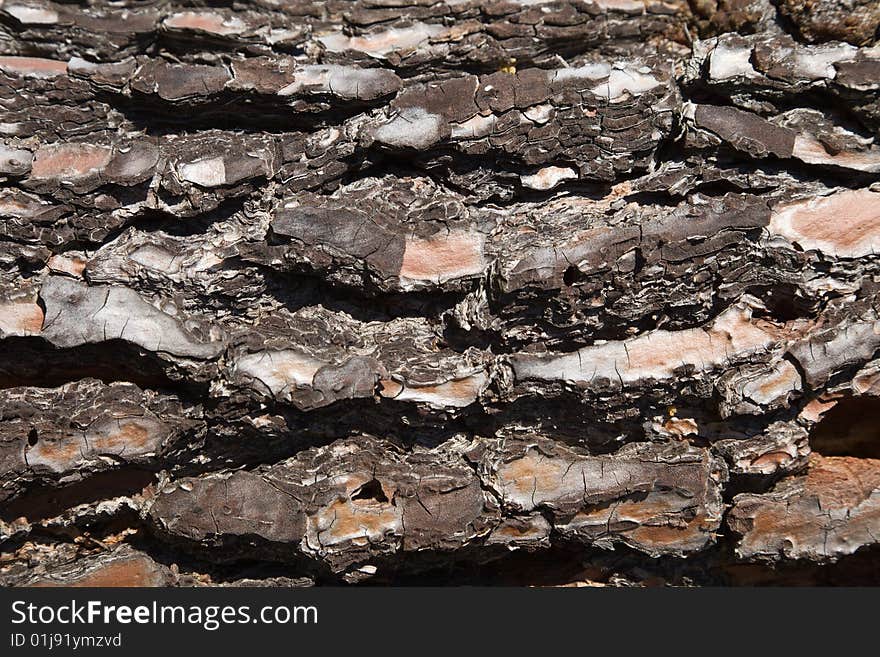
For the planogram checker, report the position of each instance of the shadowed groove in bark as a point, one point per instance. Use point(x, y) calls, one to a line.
point(850, 428)
point(575, 292)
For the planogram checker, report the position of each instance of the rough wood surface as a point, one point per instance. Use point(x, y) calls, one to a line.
point(534, 292)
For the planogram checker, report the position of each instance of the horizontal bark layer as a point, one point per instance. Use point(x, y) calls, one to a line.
point(346, 291)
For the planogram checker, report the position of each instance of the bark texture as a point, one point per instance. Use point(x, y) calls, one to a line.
point(392, 291)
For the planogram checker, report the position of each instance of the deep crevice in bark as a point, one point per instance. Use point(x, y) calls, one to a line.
point(474, 293)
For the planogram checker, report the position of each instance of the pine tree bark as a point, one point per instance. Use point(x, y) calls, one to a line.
point(568, 291)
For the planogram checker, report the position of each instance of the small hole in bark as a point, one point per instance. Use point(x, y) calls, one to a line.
point(372, 490)
point(851, 428)
point(571, 275)
point(33, 437)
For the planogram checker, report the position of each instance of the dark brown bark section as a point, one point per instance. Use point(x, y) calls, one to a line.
point(437, 293)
